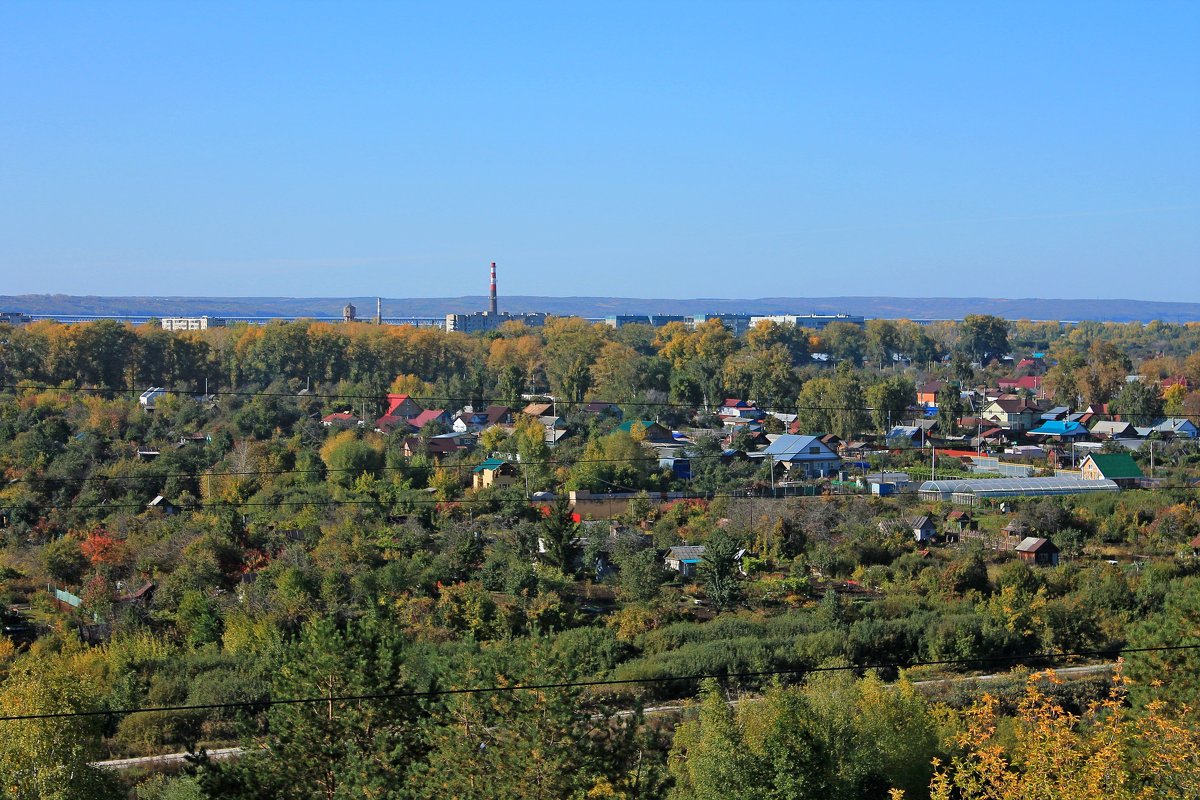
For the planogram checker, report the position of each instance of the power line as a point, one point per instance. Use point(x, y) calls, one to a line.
point(1108, 653)
point(416, 501)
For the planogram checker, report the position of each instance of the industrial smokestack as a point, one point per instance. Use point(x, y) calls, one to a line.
point(378, 310)
point(492, 306)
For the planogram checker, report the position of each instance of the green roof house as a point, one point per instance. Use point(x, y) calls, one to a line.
point(493, 472)
point(653, 431)
point(1119, 468)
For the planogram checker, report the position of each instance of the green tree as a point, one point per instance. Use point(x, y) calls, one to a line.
point(347, 457)
point(572, 346)
point(1138, 402)
point(526, 745)
point(1178, 623)
point(333, 748)
point(64, 561)
point(950, 408)
point(719, 571)
point(510, 383)
point(50, 759)
point(883, 339)
point(889, 400)
point(845, 342)
point(983, 337)
point(198, 618)
point(558, 534)
point(834, 738)
point(847, 403)
point(641, 574)
point(813, 406)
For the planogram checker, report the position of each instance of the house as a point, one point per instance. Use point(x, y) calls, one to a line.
point(443, 444)
point(401, 405)
point(787, 419)
point(164, 505)
point(1032, 365)
point(389, 423)
point(995, 436)
point(430, 417)
point(684, 559)
point(555, 428)
point(1041, 552)
point(1112, 429)
point(139, 598)
point(805, 456)
point(149, 398)
point(469, 422)
point(1176, 428)
point(750, 437)
point(1117, 467)
point(1015, 528)
point(1010, 413)
point(1027, 383)
point(601, 409)
point(853, 449)
point(401, 408)
point(1056, 413)
point(538, 409)
point(679, 466)
point(905, 436)
point(831, 440)
point(494, 472)
point(341, 419)
point(927, 392)
point(652, 431)
point(1061, 430)
point(923, 530)
point(960, 521)
point(732, 407)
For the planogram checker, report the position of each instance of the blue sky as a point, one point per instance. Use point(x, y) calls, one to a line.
point(633, 149)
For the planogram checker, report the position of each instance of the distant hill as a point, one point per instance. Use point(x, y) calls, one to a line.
point(890, 307)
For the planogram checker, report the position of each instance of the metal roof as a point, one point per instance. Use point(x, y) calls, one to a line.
point(1011, 487)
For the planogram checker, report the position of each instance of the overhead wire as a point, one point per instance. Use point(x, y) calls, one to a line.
point(496, 689)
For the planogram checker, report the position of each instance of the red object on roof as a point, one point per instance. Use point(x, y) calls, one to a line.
point(339, 417)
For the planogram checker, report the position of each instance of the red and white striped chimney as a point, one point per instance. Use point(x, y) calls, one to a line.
point(492, 306)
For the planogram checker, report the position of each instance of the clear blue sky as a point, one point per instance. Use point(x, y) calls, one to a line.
point(737, 149)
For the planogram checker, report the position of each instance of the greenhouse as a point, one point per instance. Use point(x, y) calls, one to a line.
point(970, 492)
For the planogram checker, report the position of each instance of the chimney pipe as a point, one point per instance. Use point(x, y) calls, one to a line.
point(492, 306)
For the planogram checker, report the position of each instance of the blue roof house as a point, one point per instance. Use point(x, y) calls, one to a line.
point(805, 456)
point(1063, 430)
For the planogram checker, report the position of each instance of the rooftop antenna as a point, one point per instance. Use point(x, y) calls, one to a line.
point(492, 305)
